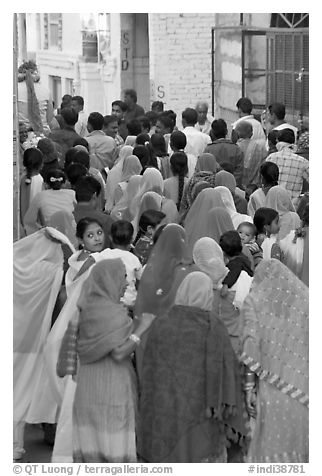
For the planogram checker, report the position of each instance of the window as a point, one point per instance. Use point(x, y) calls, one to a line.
point(53, 29)
point(290, 20)
point(288, 62)
point(55, 87)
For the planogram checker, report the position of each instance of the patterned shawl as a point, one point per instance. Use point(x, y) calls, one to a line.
point(275, 329)
point(189, 365)
point(188, 195)
point(103, 322)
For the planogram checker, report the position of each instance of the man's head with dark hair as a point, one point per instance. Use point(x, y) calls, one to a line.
point(219, 129)
point(66, 101)
point(82, 157)
point(70, 116)
point(78, 103)
point(87, 189)
point(152, 116)
point(95, 122)
point(189, 117)
point(230, 243)
point(81, 141)
point(272, 140)
point(74, 172)
point(286, 135)
point(276, 112)
point(269, 173)
point(110, 126)
point(178, 141)
point(157, 106)
point(145, 123)
point(69, 157)
point(244, 106)
point(122, 233)
point(130, 97)
point(119, 108)
point(164, 124)
point(134, 127)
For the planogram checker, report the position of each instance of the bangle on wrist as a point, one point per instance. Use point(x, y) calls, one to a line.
point(136, 339)
point(249, 377)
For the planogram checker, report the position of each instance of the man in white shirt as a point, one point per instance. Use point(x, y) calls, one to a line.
point(102, 148)
point(196, 141)
point(204, 119)
point(81, 124)
point(245, 106)
point(276, 118)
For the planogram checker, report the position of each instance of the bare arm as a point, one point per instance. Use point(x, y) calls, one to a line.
point(140, 326)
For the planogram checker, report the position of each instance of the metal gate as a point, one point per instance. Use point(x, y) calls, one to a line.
point(274, 68)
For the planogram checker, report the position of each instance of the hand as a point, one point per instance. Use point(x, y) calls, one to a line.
point(251, 402)
point(224, 290)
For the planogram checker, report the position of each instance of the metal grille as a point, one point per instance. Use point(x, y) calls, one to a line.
point(288, 70)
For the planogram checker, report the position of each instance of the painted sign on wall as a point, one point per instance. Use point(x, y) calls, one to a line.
point(126, 50)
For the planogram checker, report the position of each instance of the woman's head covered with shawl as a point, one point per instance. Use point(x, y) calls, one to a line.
point(195, 291)
point(225, 179)
point(131, 166)
point(196, 223)
point(279, 199)
point(218, 222)
point(198, 187)
point(125, 151)
point(156, 284)
point(106, 281)
point(206, 162)
point(121, 211)
point(149, 201)
point(209, 257)
point(227, 199)
point(152, 181)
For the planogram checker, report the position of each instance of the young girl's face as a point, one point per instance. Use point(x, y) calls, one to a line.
point(245, 234)
point(93, 238)
point(274, 227)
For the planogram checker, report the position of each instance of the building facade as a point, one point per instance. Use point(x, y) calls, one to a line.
point(177, 58)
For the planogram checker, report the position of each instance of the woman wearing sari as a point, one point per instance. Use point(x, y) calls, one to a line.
point(190, 382)
point(197, 222)
point(228, 201)
point(275, 347)
point(152, 182)
point(161, 278)
point(37, 276)
point(114, 176)
point(269, 178)
point(226, 179)
point(208, 256)
point(105, 398)
point(121, 211)
point(279, 199)
point(295, 249)
point(155, 201)
point(131, 166)
point(206, 169)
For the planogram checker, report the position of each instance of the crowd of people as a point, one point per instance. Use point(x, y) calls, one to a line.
point(161, 286)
